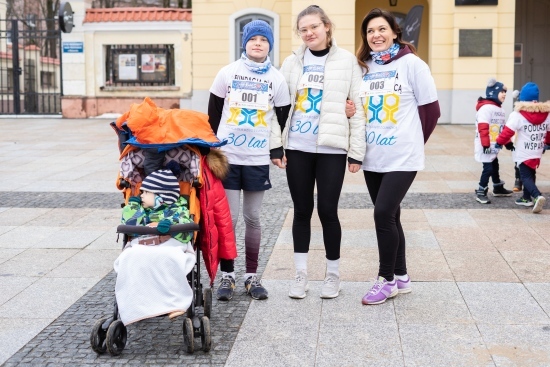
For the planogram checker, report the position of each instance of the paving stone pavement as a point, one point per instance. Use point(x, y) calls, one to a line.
point(438, 208)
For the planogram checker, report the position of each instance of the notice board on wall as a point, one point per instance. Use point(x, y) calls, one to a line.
point(475, 42)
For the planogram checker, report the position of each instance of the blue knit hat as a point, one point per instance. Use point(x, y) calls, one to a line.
point(529, 93)
point(257, 28)
point(493, 89)
point(164, 184)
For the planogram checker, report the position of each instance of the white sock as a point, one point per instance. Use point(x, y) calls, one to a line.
point(401, 277)
point(332, 266)
point(232, 274)
point(248, 275)
point(300, 261)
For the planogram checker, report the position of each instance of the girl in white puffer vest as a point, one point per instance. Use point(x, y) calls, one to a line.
point(317, 139)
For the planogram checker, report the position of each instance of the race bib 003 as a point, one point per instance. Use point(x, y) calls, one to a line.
point(376, 84)
point(313, 77)
point(250, 95)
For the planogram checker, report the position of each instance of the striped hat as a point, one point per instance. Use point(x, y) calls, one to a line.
point(164, 184)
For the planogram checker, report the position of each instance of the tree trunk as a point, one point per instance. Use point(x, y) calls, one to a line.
point(50, 47)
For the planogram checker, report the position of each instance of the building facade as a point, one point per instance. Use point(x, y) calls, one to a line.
point(463, 41)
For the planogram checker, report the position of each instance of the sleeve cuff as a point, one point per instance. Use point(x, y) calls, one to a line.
point(276, 153)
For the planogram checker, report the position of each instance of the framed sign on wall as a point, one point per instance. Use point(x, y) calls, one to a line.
point(476, 2)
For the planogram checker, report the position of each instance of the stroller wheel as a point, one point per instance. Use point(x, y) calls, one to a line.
point(207, 296)
point(188, 337)
point(116, 337)
point(98, 336)
point(206, 338)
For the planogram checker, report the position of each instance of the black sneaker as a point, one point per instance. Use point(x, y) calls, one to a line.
point(481, 196)
point(254, 288)
point(226, 288)
point(499, 190)
point(518, 186)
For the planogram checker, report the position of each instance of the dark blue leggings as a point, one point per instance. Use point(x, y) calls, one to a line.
point(529, 178)
point(386, 191)
point(303, 171)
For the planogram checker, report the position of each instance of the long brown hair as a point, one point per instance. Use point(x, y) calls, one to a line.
point(363, 53)
point(316, 10)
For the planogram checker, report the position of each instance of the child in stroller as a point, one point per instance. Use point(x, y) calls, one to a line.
point(148, 263)
point(194, 179)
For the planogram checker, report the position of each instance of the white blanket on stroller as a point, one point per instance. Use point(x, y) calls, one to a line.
point(151, 280)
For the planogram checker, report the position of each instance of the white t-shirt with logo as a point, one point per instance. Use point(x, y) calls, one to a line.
point(248, 111)
point(304, 124)
point(495, 117)
point(529, 138)
point(391, 95)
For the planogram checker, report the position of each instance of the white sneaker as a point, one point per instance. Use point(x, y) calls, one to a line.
point(539, 204)
point(300, 286)
point(331, 286)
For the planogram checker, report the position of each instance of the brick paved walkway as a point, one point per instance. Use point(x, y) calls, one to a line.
point(440, 213)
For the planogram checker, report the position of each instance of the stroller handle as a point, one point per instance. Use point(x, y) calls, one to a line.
point(144, 230)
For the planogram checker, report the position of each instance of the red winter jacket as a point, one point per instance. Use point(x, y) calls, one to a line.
point(217, 238)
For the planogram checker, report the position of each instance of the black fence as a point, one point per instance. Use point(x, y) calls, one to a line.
point(30, 67)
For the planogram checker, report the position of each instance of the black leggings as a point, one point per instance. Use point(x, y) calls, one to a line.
point(387, 190)
point(303, 170)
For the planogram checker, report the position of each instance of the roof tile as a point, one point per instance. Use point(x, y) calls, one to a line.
point(137, 15)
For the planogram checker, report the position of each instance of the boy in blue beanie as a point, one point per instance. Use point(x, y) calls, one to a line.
point(530, 121)
point(249, 103)
point(490, 119)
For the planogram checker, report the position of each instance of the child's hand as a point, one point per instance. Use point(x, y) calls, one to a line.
point(164, 226)
point(350, 108)
point(281, 163)
point(134, 199)
point(510, 146)
point(354, 167)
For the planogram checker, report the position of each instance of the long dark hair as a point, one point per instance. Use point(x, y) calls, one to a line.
point(316, 10)
point(363, 53)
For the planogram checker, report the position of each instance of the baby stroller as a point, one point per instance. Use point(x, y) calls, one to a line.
point(137, 157)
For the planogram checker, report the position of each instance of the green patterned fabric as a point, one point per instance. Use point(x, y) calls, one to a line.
point(136, 215)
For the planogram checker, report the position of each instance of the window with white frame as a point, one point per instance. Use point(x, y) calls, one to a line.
point(240, 22)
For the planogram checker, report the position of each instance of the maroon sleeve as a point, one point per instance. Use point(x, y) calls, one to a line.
point(547, 139)
point(483, 130)
point(505, 136)
point(429, 114)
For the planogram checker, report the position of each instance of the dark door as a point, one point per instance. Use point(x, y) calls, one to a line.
point(533, 45)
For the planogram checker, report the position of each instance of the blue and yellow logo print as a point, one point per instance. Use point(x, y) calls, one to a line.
point(247, 117)
point(308, 102)
point(382, 108)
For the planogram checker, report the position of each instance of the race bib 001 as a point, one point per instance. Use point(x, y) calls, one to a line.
point(376, 84)
point(313, 77)
point(250, 95)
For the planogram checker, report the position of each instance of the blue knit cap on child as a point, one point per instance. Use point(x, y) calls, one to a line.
point(257, 28)
point(529, 93)
point(493, 89)
point(164, 184)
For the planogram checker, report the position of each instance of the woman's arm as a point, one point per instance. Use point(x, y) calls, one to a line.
point(429, 114)
point(357, 122)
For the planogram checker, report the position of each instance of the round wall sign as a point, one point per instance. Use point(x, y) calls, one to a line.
point(65, 17)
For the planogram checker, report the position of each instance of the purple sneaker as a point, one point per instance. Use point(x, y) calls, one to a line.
point(380, 292)
point(404, 286)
